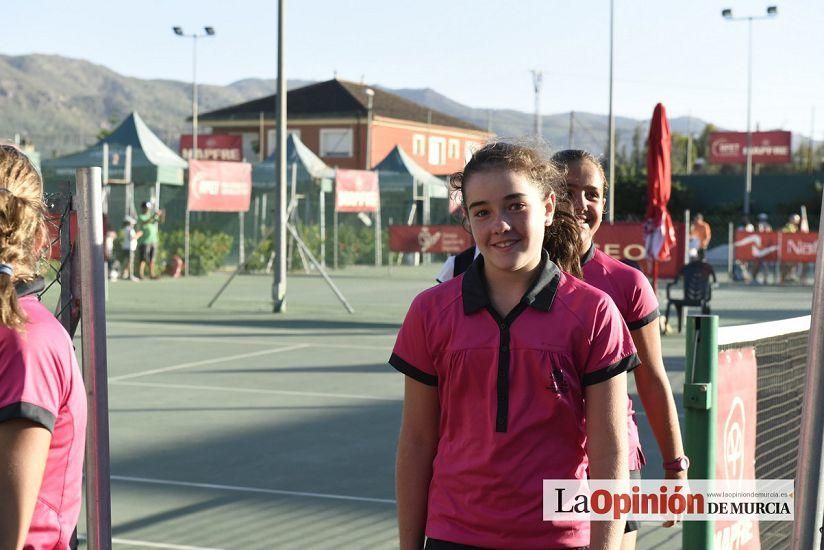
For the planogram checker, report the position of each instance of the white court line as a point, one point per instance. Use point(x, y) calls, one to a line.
point(145, 544)
point(211, 339)
point(251, 489)
point(251, 390)
point(208, 362)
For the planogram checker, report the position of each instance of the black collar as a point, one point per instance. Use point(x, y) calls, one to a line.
point(589, 254)
point(540, 295)
point(25, 288)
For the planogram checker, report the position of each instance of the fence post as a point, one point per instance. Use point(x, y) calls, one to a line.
point(93, 326)
point(701, 405)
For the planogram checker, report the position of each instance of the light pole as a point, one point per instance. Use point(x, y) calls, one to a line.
point(611, 130)
point(207, 31)
point(772, 11)
point(370, 98)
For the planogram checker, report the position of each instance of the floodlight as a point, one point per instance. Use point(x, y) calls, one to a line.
point(178, 30)
point(209, 30)
point(727, 13)
point(772, 10)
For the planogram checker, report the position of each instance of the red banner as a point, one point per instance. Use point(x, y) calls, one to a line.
point(53, 225)
point(224, 147)
point(767, 147)
point(219, 186)
point(625, 240)
point(356, 191)
point(735, 443)
point(451, 239)
point(775, 246)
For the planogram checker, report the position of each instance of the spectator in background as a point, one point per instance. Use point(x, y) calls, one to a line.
point(147, 243)
point(700, 234)
point(789, 270)
point(763, 226)
point(129, 246)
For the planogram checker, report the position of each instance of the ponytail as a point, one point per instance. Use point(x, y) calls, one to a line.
point(21, 230)
point(562, 239)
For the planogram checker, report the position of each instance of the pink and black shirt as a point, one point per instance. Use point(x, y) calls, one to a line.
point(511, 394)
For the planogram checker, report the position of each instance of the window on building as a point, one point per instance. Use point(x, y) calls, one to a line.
point(454, 148)
point(272, 140)
point(336, 142)
point(437, 151)
point(469, 149)
point(418, 144)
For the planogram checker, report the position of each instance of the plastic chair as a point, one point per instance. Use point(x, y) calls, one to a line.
point(698, 277)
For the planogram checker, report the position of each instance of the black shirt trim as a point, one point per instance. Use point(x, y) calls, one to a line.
point(644, 321)
point(463, 261)
point(588, 255)
point(25, 288)
point(626, 364)
point(28, 411)
point(412, 372)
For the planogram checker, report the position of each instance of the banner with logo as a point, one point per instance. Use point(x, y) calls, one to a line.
point(767, 147)
point(222, 147)
point(219, 186)
point(450, 239)
point(625, 240)
point(775, 246)
point(356, 191)
point(735, 444)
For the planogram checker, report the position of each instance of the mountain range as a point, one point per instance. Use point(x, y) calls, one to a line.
point(61, 105)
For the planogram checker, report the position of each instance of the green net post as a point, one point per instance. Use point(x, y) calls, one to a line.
point(701, 404)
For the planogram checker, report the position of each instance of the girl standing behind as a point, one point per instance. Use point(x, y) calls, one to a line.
point(638, 304)
point(42, 400)
point(515, 373)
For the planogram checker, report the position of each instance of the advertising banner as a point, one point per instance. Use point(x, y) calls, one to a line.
point(356, 191)
point(775, 246)
point(219, 186)
point(767, 147)
point(450, 239)
point(625, 240)
point(222, 147)
point(735, 425)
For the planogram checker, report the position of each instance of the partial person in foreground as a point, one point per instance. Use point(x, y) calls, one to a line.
point(515, 373)
point(42, 399)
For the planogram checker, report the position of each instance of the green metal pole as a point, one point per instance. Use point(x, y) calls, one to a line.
point(701, 407)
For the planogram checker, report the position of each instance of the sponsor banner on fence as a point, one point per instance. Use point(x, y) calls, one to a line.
point(775, 246)
point(450, 239)
point(767, 147)
point(223, 147)
point(735, 439)
point(625, 240)
point(666, 499)
point(356, 191)
point(219, 186)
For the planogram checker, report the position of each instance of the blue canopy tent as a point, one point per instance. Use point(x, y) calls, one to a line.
point(152, 162)
point(410, 194)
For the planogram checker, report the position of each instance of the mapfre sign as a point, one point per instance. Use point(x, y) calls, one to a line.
point(767, 147)
point(356, 191)
point(223, 147)
point(219, 186)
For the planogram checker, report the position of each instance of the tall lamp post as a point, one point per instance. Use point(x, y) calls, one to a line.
point(611, 130)
point(370, 99)
point(772, 11)
point(207, 31)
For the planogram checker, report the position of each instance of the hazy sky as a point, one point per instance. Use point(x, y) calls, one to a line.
point(477, 52)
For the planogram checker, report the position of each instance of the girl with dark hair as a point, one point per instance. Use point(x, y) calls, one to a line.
point(42, 399)
point(514, 373)
point(636, 300)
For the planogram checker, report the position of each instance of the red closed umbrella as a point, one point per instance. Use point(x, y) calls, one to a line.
point(659, 233)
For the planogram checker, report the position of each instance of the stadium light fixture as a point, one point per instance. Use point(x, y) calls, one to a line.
point(209, 30)
point(178, 30)
point(772, 11)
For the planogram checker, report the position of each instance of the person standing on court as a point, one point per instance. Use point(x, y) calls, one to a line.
point(701, 234)
point(148, 242)
point(638, 304)
point(42, 398)
point(515, 373)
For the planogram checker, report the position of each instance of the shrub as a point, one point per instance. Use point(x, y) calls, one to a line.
point(207, 249)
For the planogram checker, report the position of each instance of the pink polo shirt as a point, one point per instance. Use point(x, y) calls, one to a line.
point(511, 397)
point(638, 304)
point(40, 381)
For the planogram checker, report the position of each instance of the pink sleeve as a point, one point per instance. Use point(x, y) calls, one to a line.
point(30, 385)
point(643, 303)
point(411, 354)
point(610, 350)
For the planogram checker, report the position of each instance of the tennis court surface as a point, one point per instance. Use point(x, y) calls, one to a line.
point(233, 427)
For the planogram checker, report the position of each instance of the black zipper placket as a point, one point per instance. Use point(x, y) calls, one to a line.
point(502, 386)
